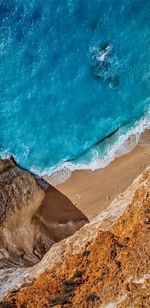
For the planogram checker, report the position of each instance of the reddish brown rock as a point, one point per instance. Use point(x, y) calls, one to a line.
point(106, 262)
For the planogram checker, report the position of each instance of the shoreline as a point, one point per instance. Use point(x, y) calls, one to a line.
point(124, 144)
point(92, 191)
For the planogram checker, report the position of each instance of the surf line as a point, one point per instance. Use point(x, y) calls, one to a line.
point(98, 142)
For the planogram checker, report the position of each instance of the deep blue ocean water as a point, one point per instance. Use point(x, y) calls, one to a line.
point(71, 73)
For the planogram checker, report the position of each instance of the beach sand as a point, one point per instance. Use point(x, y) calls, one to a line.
point(92, 191)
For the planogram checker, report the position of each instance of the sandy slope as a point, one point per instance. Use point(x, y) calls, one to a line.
point(92, 191)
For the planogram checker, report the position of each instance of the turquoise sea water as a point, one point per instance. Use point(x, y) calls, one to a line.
point(71, 73)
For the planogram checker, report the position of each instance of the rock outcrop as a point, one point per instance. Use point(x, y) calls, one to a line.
point(104, 264)
point(20, 197)
point(28, 227)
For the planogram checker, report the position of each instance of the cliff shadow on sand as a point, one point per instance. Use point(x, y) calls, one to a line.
point(33, 216)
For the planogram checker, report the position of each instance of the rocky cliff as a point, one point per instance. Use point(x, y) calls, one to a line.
point(104, 264)
point(28, 223)
point(20, 197)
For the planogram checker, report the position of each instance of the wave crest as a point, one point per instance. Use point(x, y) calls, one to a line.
point(118, 145)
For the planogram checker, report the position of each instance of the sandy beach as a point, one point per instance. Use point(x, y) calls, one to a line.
point(92, 191)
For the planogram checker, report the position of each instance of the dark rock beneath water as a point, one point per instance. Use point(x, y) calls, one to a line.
point(105, 65)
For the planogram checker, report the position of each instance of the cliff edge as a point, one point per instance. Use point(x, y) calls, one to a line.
point(104, 264)
point(29, 225)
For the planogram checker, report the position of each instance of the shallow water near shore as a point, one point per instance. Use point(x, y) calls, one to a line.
point(73, 72)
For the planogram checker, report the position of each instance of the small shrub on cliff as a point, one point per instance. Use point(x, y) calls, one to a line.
point(77, 274)
point(75, 281)
point(92, 297)
point(58, 301)
point(69, 285)
point(6, 305)
point(86, 253)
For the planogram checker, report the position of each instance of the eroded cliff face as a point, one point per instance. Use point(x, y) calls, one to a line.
point(27, 229)
point(20, 197)
point(104, 264)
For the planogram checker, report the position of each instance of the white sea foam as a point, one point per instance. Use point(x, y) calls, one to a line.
point(125, 143)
